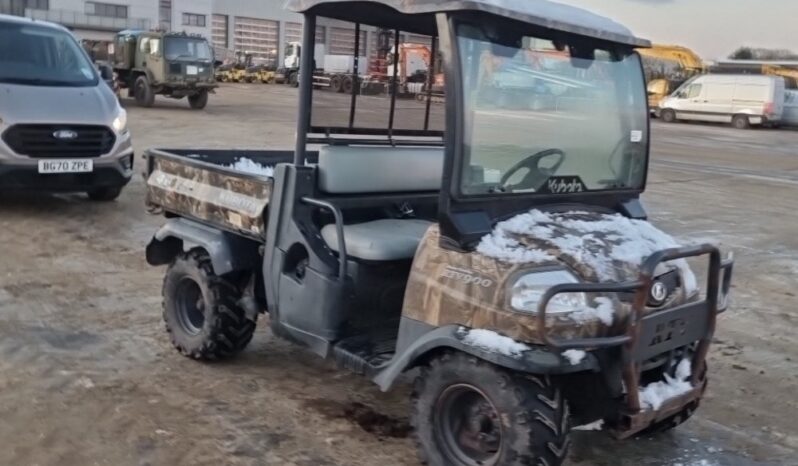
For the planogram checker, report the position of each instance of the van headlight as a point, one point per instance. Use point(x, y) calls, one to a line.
point(529, 289)
point(120, 122)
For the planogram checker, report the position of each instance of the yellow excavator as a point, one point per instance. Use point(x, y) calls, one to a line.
point(789, 74)
point(667, 68)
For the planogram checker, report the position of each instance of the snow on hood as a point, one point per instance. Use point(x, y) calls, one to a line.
point(599, 247)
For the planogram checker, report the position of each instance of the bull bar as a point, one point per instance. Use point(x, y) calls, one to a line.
point(659, 332)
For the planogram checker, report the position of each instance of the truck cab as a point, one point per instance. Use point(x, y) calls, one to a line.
point(174, 65)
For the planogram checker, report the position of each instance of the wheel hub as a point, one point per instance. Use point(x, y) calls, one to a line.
point(468, 427)
point(190, 306)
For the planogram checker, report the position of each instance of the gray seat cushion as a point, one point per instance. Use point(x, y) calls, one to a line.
point(380, 240)
point(378, 169)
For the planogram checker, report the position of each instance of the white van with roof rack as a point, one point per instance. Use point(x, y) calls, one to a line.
point(61, 127)
point(742, 100)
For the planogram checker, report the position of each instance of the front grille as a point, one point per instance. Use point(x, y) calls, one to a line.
point(40, 141)
point(175, 68)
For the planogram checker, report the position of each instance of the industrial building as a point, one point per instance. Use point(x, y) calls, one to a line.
point(261, 27)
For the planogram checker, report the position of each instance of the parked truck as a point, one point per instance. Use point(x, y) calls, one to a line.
point(333, 72)
point(175, 65)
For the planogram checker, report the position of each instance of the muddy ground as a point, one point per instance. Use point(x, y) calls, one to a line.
point(87, 375)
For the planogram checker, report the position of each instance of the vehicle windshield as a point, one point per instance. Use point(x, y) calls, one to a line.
point(546, 117)
point(187, 48)
point(42, 56)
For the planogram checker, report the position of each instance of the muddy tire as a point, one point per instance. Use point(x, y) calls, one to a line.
point(337, 84)
point(293, 79)
point(104, 194)
point(469, 412)
point(667, 115)
point(201, 312)
point(741, 122)
point(142, 91)
point(199, 100)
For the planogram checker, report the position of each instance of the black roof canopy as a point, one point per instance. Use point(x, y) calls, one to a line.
point(418, 15)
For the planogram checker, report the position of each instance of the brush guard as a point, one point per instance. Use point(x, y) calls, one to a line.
point(659, 332)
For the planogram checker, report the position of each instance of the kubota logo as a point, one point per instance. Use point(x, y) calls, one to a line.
point(466, 276)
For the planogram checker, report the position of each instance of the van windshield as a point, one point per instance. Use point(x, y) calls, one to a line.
point(42, 56)
point(186, 48)
point(546, 117)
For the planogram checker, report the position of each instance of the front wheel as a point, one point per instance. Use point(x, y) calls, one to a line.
point(199, 100)
point(468, 412)
point(104, 194)
point(741, 122)
point(201, 310)
point(143, 92)
point(667, 115)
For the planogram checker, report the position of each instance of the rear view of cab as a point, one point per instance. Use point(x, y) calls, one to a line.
point(61, 127)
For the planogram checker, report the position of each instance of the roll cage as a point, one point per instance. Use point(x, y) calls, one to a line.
point(463, 219)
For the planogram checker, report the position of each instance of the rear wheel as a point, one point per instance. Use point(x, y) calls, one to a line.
point(143, 92)
point(199, 100)
point(741, 122)
point(201, 310)
point(293, 80)
point(104, 194)
point(336, 83)
point(467, 412)
point(667, 115)
point(348, 85)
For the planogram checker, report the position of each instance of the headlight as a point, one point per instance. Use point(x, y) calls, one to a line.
point(529, 289)
point(120, 122)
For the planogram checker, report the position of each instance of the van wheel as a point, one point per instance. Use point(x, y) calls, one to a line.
point(104, 194)
point(199, 100)
point(143, 92)
point(741, 122)
point(200, 310)
point(668, 116)
point(469, 412)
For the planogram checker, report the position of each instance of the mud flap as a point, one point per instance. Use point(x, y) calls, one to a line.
point(228, 252)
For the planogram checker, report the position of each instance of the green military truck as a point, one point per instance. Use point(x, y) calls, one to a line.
point(175, 65)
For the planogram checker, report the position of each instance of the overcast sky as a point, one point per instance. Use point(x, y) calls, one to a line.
point(713, 28)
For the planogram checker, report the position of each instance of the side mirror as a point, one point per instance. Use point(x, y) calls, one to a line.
point(106, 73)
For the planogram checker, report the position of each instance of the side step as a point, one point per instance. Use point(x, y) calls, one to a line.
point(364, 354)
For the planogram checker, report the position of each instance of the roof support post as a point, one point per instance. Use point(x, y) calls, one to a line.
point(305, 87)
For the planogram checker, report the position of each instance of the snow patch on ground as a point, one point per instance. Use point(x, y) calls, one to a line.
point(574, 356)
point(654, 395)
point(626, 240)
point(491, 341)
point(593, 426)
point(604, 311)
point(246, 165)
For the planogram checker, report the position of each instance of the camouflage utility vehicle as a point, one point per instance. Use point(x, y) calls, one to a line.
point(174, 65)
point(501, 250)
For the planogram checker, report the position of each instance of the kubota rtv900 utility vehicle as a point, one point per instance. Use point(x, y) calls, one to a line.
point(503, 252)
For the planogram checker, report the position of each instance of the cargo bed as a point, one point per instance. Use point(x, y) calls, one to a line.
point(204, 185)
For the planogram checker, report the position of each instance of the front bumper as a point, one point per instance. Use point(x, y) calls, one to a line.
point(113, 170)
point(649, 336)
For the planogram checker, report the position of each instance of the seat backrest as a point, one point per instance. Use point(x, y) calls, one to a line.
point(380, 169)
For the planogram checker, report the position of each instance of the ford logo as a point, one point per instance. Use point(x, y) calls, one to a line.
point(65, 135)
point(659, 293)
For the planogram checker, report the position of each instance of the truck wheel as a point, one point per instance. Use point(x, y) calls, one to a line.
point(348, 85)
point(143, 92)
point(104, 194)
point(336, 83)
point(741, 122)
point(199, 100)
point(469, 412)
point(201, 312)
point(293, 80)
point(668, 116)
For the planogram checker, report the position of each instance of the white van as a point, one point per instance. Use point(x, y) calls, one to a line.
point(742, 100)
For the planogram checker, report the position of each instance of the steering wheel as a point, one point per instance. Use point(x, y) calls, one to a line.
point(536, 175)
